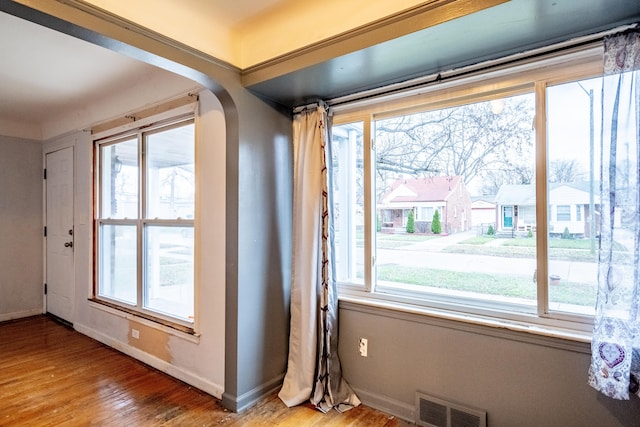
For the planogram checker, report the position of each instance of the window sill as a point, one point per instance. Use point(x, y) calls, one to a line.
point(550, 336)
point(165, 326)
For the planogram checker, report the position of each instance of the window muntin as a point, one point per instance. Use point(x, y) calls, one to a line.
point(146, 206)
point(548, 304)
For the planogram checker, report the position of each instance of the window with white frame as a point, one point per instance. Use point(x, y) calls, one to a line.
point(426, 213)
point(563, 213)
point(145, 220)
point(523, 138)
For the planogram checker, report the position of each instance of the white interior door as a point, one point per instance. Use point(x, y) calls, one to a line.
point(59, 223)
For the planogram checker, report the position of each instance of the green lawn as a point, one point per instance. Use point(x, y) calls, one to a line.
point(488, 284)
point(479, 240)
point(411, 238)
point(174, 271)
point(498, 251)
point(391, 241)
point(584, 244)
point(559, 249)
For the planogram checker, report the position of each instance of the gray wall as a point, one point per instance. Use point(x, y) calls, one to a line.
point(261, 299)
point(20, 228)
point(519, 379)
point(259, 206)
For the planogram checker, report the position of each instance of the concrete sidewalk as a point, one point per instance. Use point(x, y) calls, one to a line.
point(429, 254)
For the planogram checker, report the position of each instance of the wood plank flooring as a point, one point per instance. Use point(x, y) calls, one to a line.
point(51, 375)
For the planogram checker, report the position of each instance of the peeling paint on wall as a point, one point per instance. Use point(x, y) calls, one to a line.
point(150, 340)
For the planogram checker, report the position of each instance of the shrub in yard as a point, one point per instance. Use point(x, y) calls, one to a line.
point(530, 234)
point(490, 231)
point(378, 223)
point(411, 223)
point(566, 234)
point(436, 227)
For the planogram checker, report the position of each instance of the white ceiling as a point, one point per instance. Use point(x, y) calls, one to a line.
point(45, 73)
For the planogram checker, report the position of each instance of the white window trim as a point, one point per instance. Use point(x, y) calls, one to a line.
point(530, 75)
point(171, 113)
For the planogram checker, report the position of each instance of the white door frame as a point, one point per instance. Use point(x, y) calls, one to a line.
point(46, 152)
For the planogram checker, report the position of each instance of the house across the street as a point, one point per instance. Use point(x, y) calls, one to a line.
point(569, 208)
point(446, 194)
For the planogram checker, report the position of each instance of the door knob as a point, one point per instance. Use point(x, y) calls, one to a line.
point(68, 244)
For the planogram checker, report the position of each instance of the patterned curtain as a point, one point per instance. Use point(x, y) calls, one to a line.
point(615, 348)
point(313, 370)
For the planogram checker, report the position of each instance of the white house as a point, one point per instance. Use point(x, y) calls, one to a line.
point(569, 208)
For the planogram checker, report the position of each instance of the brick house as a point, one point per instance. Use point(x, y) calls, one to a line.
point(423, 196)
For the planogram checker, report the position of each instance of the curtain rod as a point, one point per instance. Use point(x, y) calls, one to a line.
point(316, 104)
point(452, 74)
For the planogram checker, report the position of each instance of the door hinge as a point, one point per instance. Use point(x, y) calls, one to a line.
point(45, 174)
point(45, 288)
point(45, 231)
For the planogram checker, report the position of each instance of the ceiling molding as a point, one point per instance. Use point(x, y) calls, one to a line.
point(426, 15)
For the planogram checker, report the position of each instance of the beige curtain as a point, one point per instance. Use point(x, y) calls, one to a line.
point(313, 370)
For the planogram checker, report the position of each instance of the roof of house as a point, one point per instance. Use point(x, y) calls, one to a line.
point(432, 189)
point(480, 204)
point(516, 194)
point(489, 198)
point(525, 194)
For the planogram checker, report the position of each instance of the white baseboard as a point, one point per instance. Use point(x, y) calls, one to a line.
point(387, 405)
point(213, 389)
point(20, 314)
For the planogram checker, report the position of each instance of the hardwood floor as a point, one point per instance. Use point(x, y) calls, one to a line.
point(51, 375)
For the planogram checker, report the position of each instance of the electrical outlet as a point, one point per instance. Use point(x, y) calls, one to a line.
point(135, 333)
point(363, 347)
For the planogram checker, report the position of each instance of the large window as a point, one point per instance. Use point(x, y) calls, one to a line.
point(145, 221)
point(482, 197)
